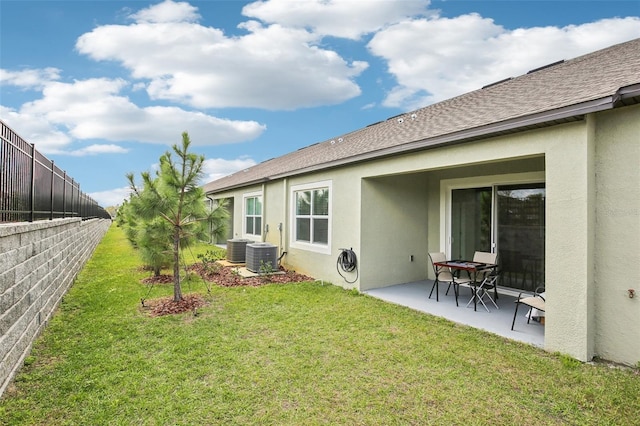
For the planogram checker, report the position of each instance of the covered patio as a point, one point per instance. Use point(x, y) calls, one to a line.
point(415, 295)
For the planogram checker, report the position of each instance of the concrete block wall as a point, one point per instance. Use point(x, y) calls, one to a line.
point(38, 263)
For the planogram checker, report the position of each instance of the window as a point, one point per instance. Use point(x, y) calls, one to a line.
point(311, 219)
point(253, 214)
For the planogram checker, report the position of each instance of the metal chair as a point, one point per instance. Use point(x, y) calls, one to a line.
point(483, 281)
point(537, 301)
point(442, 275)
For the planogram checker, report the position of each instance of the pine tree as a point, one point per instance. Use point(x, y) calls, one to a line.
point(170, 211)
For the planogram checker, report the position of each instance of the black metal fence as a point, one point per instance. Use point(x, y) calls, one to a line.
point(33, 188)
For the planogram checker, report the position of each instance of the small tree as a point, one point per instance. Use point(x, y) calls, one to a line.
point(174, 198)
point(155, 247)
point(151, 235)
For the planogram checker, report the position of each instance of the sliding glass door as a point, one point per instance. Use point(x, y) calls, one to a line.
point(470, 222)
point(508, 219)
point(520, 234)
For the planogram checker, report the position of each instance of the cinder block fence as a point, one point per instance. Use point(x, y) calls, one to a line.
point(38, 263)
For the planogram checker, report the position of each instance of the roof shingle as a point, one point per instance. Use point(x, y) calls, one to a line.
point(594, 76)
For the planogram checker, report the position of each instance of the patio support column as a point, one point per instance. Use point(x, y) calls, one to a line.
point(570, 220)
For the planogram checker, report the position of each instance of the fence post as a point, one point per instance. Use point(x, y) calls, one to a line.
point(64, 194)
point(33, 181)
point(53, 178)
point(73, 193)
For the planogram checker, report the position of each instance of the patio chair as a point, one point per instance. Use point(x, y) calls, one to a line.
point(485, 280)
point(443, 275)
point(537, 301)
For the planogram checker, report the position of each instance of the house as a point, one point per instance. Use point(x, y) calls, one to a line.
point(543, 168)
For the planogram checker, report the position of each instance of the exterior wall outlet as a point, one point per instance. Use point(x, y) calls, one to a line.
point(410, 258)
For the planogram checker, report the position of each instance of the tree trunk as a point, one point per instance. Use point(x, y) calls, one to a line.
point(177, 291)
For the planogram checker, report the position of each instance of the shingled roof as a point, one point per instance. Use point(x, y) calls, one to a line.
point(561, 92)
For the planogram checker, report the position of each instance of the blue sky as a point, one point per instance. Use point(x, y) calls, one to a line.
point(103, 88)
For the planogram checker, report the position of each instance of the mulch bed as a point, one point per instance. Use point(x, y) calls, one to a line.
point(166, 305)
point(228, 277)
point(159, 279)
point(224, 276)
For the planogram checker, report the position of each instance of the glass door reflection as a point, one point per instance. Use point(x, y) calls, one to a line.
point(470, 222)
point(521, 233)
point(509, 218)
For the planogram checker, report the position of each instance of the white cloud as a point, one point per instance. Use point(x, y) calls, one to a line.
point(339, 18)
point(112, 197)
point(168, 11)
point(271, 67)
point(36, 129)
point(96, 149)
point(436, 59)
point(29, 78)
point(96, 109)
point(215, 168)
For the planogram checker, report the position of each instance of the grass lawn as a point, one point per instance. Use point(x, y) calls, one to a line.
point(289, 354)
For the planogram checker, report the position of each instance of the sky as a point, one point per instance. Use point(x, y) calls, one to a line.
point(104, 88)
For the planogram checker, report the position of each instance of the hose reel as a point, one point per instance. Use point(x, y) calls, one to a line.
point(347, 262)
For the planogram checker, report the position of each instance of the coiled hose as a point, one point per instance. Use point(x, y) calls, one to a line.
point(347, 262)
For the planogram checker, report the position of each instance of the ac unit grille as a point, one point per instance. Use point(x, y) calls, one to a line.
point(236, 250)
point(259, 254)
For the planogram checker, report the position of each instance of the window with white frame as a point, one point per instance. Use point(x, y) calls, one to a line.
point(253, 214)
point(311, 215)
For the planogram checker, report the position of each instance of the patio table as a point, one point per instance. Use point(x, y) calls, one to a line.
point(472, 268)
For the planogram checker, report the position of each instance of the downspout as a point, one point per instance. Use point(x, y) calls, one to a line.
point(210, 225)
point(265, 230)
point(282, 226)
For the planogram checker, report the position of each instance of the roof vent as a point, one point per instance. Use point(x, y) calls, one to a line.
point(498, 82)
point(333, 141)
point(395, 116)
point(400, 120)
point(546, 66)
point(340, 139)
point(308, 146)
point(414, 116)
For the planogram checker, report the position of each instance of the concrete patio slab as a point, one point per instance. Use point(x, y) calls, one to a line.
point(498, 321)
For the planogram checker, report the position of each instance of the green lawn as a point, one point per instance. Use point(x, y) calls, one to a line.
point(294, 354)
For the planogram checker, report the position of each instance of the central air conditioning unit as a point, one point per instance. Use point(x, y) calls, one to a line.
point(237, 249)
point(259, 254)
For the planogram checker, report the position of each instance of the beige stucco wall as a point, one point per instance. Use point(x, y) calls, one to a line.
point(569, 244)
point(345, 223)
point(386, 210)
point(394, 245)
point(390, 209)
point(237, 205)
point(345, 228)
point(617, 236)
